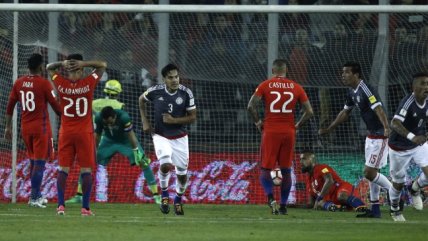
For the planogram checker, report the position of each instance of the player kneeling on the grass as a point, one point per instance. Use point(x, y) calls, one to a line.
point(112, 89)
point(118, 136)
point(408, 143)
point(174, 108)
point(328, 191)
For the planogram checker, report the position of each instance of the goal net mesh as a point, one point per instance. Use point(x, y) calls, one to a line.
point(222, 58)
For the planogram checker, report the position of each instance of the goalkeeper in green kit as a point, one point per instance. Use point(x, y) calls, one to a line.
point(114, 134)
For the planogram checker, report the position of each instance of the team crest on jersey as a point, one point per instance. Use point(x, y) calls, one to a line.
point(179, 101)
point(358, 99)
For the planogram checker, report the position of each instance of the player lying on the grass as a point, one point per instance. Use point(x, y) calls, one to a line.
point(112, 89)
point(327, 190)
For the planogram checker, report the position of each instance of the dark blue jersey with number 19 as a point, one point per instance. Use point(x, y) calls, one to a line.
point(176, 104)
point(413, 117)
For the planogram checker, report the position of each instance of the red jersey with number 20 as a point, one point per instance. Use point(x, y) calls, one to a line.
point(76, 103)
point(280, 96)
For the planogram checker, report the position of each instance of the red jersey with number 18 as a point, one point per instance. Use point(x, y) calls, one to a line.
point(33, 92)
point(280, 96)
point(76, 103)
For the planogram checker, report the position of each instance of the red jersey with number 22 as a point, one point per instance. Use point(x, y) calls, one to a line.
point(280, 96)
point(76, 103)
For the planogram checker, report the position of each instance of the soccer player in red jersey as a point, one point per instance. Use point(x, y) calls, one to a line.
point(34, 93)
point(76, 134)
point(328, 191)
point(280, 96)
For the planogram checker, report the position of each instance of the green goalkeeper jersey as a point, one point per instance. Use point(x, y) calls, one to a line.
point(99, 104)
point(119, 131)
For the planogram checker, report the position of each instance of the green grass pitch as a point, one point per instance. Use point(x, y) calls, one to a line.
point(117, 222)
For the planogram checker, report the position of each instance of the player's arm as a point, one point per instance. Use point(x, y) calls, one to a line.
point(13, 99)
point(132, 139)
point(143, 113)
point(184, 120)
point(383, 119)
point(307, 114)
point(340, 118)
point(397, 126)
point(52, 68)
point(328, 183)
point(52, 98)
point(253, 107)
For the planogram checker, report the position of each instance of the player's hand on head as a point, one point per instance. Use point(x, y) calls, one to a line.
point(72, 65)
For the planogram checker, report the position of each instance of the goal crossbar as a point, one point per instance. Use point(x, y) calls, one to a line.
point(215, 8)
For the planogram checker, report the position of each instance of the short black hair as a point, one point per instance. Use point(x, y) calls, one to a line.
point(35, 61)
point(107, 112)
point(279, 63)
point(420, 74)
point(75, 57)
point(168, 68)
point(309, 151)
point(355, 67)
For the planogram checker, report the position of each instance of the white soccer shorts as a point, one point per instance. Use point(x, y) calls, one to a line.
point(376, 152)
point(175, 152)
point(400, 160)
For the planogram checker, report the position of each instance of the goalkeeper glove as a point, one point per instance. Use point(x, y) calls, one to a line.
point(137, 156)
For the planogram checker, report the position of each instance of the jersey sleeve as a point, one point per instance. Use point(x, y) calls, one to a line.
point(51, 97)
point(190, 102)
point(148, 95)
point(401, 112)
point(349, 103)
point(372, 96)
point(13, 98)
point(125, 121)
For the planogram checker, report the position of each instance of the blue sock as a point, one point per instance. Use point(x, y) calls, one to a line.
point(285, 185)
point(37, 178)
point(60, 185)
point(31, 167)
point(165, 192)
point(375, 207)
point(354, 202)
point(177, 198)
point(86, 188)
point(327, 206)
point(266, 181)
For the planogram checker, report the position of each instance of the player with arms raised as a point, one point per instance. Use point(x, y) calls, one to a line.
point(174, 107)
point(34, 93)
point(76, 134)
point(280, 96)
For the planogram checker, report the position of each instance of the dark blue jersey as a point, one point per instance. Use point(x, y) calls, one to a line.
point(366, 99)
point(413, 117)
point(176, 104)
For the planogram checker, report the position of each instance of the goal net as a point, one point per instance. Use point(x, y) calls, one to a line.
point(222, 58)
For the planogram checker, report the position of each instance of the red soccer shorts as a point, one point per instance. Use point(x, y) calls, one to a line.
point(76, 146)
point(277, 148)
point(39, 146)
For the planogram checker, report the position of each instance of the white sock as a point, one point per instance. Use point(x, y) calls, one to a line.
point(179, 187)
point(394, 196)
point(374, 191)
point(164, 179)
point(382, 181)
